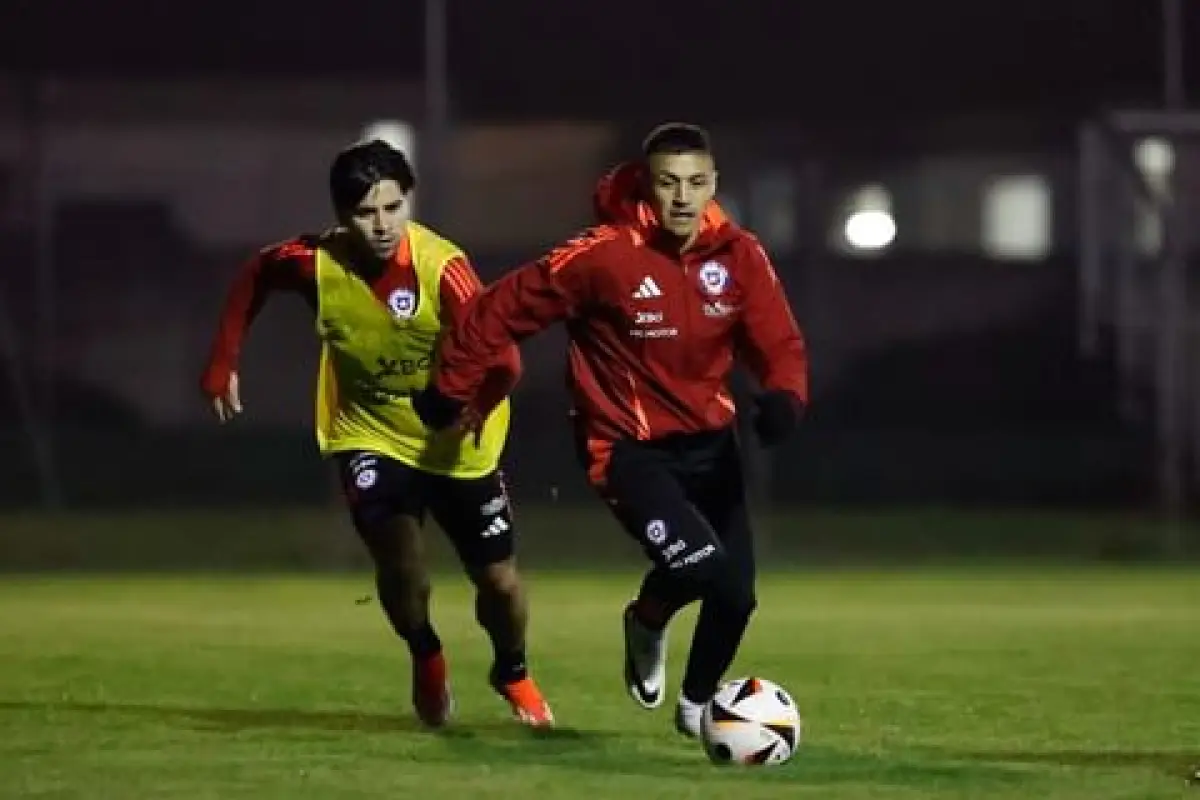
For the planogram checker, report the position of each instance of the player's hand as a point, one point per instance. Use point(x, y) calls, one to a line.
point(228, 405)
point(470, 423)
point(777, 415)
point(436, 410)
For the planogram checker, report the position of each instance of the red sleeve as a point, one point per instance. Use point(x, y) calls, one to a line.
point(770, 341)
point(290, 266)
point(527, 300)
point(461, 285)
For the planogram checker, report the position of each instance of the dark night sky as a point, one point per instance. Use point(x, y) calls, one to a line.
point(655, 58)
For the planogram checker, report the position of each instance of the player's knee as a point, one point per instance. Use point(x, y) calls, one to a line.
point(500, 579)
point(719, 581)
point(735, 593)
point(404, 582)
point(701, 566)
point(745, 602)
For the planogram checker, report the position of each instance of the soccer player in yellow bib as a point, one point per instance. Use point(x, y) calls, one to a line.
point(383, 288)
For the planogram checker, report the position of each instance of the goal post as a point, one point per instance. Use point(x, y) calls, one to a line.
point(1139, 185)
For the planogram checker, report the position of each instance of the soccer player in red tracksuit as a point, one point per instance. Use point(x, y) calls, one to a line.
point(658, 299)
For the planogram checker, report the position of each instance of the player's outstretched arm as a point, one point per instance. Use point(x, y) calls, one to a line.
point(773, 348)
point(527, 300)
point(290, 265)
point(460, 286)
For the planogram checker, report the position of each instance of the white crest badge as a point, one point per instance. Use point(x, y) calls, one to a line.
point(402, 303)
point(714, 278)
point(365, 479)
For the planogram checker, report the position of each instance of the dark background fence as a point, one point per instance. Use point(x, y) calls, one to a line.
point(979, 354)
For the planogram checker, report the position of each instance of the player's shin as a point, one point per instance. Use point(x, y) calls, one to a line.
point(401, 577)
point(724, 616)
point(405, 600)
point(503, 612)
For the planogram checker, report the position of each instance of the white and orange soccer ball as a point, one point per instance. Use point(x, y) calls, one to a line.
point(750, 721)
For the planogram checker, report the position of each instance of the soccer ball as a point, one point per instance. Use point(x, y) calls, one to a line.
point(750, 721)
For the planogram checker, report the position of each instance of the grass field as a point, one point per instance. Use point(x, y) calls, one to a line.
point(1003, 682)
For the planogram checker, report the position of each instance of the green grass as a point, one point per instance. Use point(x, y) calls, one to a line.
point(564, 536)
point(952, 683)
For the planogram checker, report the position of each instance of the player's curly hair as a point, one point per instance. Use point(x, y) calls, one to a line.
point(362, 165)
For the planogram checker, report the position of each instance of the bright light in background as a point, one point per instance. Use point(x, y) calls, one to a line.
point(399, 135)
point(870, 225)
point(1155, 157)
point(870, 230)
point(1017, 221)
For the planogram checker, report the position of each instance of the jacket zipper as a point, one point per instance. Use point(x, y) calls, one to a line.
point(685, 322)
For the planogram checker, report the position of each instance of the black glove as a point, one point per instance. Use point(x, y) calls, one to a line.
point(778, 414)
point(435, 409)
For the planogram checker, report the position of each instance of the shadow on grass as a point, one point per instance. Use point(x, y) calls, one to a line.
point(1180, 763)
point(243, 719)
point(628, 753)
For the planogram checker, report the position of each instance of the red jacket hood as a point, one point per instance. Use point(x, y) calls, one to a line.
point(617, 201)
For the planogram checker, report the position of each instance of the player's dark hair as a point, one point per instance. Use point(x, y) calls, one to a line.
point(359, 167)
point(676, 137)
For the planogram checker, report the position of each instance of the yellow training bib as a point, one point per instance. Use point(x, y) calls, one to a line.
point(374, 357)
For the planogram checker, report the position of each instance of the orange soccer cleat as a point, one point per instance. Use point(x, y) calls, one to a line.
point(431, 696)
point(528, 705)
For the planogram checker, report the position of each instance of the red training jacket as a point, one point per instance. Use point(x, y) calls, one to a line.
point(653, 334)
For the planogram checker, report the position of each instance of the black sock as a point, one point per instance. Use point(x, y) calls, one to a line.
point(719, 631)
point(509, 666)
point(423, 642)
